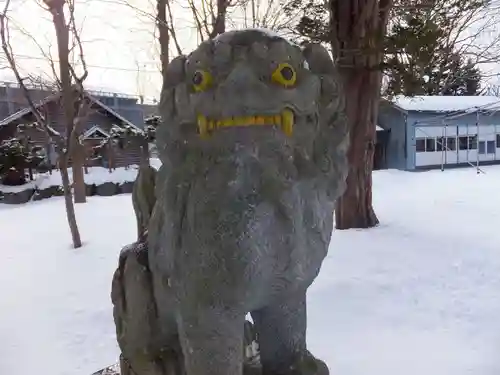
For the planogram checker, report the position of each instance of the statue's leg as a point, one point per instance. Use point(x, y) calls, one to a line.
point(281, 334)
point(212, 341)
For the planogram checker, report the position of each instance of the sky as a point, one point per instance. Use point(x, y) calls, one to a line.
point(118, 39)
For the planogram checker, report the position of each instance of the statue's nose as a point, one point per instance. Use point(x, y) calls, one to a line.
point(242, 76)
point(242, 92)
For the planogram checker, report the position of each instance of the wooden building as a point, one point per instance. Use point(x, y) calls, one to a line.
point(97, 127)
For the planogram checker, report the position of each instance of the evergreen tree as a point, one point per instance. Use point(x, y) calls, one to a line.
point(421, 56)
point(363, 38)
point(17, 155)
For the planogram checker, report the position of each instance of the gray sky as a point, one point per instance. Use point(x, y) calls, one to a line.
point(119, 45)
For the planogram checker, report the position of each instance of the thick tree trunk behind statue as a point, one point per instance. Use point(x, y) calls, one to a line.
point(354, 209)
point(357, 33)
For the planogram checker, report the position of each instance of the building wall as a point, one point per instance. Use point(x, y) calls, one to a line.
point(55, 116)
point(467, 139)
point(389, 118)
point(12, 100)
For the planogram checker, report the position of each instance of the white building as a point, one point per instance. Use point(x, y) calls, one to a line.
point(439, 131)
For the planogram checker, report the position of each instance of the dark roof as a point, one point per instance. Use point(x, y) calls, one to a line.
point(25, 111)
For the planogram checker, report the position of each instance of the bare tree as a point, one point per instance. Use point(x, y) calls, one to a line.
point(70, 85)
point(264, 14)
point(492, 90)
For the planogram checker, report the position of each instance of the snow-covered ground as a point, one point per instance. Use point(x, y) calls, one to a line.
point(95, 176)
point(418, 295)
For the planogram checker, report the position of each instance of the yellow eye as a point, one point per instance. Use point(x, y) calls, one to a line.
point(284, 75)
point(201, 80)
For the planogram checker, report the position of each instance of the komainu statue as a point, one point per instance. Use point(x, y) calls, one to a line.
point(253, 145)
point(143, 199)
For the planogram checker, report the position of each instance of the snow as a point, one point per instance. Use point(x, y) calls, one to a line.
point(267, 32)
point(417, 295)
point(96, 176)
point(447, 103)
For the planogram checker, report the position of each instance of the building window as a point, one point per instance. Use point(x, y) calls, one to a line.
point(439, 143)
point(430, 144)
point(482, 148)
point(498, 140)
point(472, 142)
point(490, 147)
point(420, 144)
point(451, 143)
point(462, 143)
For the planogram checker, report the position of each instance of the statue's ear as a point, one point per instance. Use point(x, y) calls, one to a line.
point(318, 59)
point(173, 76)
point(175, 72)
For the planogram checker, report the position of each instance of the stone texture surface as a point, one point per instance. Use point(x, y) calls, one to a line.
point(243, 212)
point(144, 198)
point(51, 191)
point(18, 197)
point(90, 190)
point(107, 189)
point(126, 187)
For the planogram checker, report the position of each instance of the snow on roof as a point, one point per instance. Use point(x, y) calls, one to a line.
point(267, 32)
point(447, 103)
point(95, 129)
point(23, 112)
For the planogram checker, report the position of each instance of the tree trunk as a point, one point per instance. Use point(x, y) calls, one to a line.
point(56, 8)
point(219, 21)
point(78, 176)
point(86, 165)
point(163, 33)
point(110, 158)
point(70, 208)
point(357, 30)
point(354, 209)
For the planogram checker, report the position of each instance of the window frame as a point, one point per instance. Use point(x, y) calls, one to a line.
point(454, 143)
point(432, 141)
point(419, 149)
point(491, 151)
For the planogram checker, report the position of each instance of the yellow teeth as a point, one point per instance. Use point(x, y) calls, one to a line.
point(285, 121)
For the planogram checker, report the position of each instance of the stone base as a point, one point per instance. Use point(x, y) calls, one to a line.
point(110, 370)
point(310, 366)
point(18, 197)
point(107, 189)
point(90, 190)
point(126, 187)
point(51, 191)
